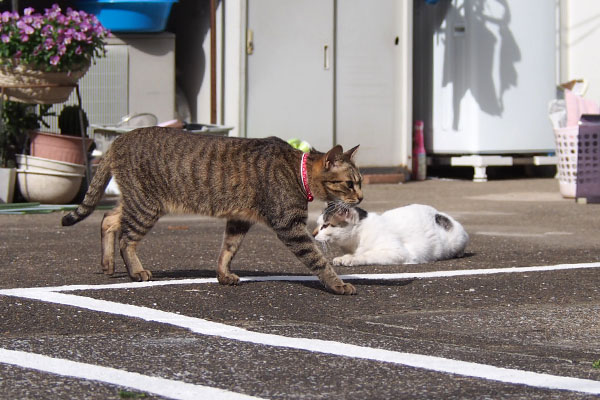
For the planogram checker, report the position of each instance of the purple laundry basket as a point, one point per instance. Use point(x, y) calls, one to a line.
point(588, 160)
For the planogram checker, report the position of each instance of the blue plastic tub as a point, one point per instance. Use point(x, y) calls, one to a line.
point(129, 15)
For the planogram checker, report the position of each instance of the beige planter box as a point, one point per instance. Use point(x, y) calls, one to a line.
point(7, 184)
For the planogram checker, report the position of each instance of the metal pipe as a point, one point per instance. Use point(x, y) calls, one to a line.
point(213, 62)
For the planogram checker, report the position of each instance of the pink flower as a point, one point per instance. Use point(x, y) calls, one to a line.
point(49, 44)
point(47, 30)
point(85, 26)
point(25, 29)
point(6, 16)
point(37, 23)
point(61, 39)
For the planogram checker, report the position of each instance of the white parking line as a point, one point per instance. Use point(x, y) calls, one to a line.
point(438, 364)
point(204, 327)
point(523, 234)
point(147, 384)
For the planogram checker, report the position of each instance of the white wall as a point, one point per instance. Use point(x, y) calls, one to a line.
point(234, 71)
point(192, 21)
point(580, 35)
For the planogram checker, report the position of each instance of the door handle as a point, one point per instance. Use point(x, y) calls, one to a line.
point(250, 41)
point(326, 57)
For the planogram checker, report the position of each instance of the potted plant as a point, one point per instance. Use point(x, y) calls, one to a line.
point(17, 119)
point(52, 49)
point(71, 120)
point(67, 146)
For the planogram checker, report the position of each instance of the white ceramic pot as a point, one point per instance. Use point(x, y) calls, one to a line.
point(39, 164)
point(7, 184)
point(48, 187)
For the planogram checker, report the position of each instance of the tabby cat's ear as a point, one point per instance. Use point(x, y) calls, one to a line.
point(332, 155)
point(351, 153)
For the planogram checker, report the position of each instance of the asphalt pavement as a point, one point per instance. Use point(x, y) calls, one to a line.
point(488, 325)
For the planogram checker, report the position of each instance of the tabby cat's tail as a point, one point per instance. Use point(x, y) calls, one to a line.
point(92, 196)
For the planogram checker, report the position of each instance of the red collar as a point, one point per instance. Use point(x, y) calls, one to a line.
point(303, 173)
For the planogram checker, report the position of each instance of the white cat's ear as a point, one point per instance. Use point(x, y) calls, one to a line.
point(351, 153)
point(331, 155)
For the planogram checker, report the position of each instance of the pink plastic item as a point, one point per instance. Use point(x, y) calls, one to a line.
point(577, 106)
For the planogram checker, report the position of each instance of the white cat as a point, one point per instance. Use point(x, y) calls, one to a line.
point(406, 235)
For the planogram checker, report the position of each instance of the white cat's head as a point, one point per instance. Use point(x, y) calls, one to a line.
point(338, 226)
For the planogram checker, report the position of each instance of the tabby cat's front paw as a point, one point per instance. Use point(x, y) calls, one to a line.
point(346, 260)
point(229, 279)
point(142, 276)
point(108, 267)
point(343, 288)
point(334, 284)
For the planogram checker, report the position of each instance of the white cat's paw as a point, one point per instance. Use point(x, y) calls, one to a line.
point(345, 260)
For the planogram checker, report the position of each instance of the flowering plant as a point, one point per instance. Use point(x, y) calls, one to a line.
point(52, 41)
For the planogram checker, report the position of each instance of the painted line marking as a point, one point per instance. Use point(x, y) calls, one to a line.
point(521, 234)
point(147, 384)
point(305, 278)
point(431, 363)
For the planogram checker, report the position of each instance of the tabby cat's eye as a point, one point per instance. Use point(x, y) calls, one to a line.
point(350, 184)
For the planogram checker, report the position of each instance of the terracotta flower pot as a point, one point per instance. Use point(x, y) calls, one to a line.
point(58, 147)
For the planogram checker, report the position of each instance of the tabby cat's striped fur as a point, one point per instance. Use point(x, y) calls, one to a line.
point(161, 170)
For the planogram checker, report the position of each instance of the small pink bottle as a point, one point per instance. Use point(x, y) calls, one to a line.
point(419, 170)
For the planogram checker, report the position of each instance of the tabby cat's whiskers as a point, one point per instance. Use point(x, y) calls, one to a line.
point(337, 207)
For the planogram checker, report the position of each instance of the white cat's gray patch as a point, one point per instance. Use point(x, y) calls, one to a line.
point(443, 221)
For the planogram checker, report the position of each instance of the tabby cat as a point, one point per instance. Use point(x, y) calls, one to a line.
point(162, 170)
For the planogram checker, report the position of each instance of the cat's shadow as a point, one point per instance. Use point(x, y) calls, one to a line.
point(210, 273)
point(380, 282)
point(313, 284)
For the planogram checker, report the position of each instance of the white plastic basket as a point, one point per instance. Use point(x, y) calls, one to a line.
point(566, 149)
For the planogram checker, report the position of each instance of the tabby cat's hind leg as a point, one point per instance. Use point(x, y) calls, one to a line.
point(134, 225)
point(235, 230)
point(111, 224)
